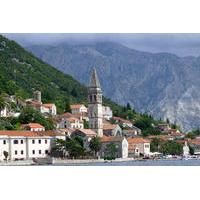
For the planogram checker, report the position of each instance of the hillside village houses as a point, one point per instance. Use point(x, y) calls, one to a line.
point(78, 108)
point(33, 141)
point(36, 102)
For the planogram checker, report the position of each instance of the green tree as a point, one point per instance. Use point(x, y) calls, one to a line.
point(155, 145)
point(95, 145)
point(67, 105)
point(79, 140)
point(128, 106)
point(85, 124)
point(29, 114)
point(171, 148)
point(151, 131)
point(190, 135)
point(111, 151)
point(191, 150)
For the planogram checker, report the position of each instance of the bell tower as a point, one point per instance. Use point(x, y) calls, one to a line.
point(95, 113)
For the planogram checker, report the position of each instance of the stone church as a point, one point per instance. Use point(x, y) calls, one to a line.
point(95, 111)
point(95, 115)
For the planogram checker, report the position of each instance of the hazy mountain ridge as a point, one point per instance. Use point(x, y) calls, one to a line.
point(163, 84)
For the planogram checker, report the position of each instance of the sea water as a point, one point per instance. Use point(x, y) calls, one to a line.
point(192, 162)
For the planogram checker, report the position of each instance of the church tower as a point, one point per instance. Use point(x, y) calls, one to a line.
point(95, 113)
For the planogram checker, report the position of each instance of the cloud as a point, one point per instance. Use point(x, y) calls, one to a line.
point(180, 44)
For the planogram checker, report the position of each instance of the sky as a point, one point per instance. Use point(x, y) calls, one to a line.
point(180, 44)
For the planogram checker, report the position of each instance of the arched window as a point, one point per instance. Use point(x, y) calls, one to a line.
point(90, 98)
point(95, 98)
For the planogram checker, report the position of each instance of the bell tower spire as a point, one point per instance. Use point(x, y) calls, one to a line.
point(95, 113)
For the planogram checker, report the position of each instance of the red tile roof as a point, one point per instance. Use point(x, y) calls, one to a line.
point(195, 141)
point(87, 132)
point(48, 105)
point(161, 137)
point(30, 133)
point(108, 126)
point(137, 140)
point(111, 139)
point(76, 106)
point(35, 125)
point(122, 120)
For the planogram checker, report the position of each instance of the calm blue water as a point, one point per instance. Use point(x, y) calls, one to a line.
point(143, 163)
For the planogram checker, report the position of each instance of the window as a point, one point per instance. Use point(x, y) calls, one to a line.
point(33, 151)
point(39, 141)
point(45, 141)
point(22, 152)
point(15, 141)
point(40, 151)
point(33, 141)
point(4, 142)
point(15, 152)
point(90, 98)
point(95, 98)
point(146, 146)
point(46, 151)
point(22, 141)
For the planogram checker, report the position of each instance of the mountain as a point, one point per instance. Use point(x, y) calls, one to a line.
point(21, 73)
point(162, 84)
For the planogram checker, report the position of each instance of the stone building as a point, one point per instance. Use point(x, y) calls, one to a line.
point(120, 143)
point(112, 129)
point(95, 113)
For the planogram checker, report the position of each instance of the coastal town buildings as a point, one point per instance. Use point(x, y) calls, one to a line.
point(78, 108)
point(131, 132)
point(21, 145)
point(47, 108)
point(65, 121)
point(123, 122)
point(121, 145)
point(138, 146)
point(112, 129)
point(195, 145)
point(33, 127)
point(107, 112)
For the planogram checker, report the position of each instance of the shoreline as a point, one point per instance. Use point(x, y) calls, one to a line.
point(88, 162)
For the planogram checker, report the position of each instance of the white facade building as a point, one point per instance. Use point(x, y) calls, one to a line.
point(27, 144)
point(49, 108)
point(138, 145)
point(71, 122)
point(4, 112)
point(107, 112)
point(78, 108)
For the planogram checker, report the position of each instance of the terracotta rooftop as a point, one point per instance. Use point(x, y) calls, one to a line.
point(34, 103)
point(161, 137)
point(194, 141)
point(35, 125)
point(48, 105)
point(122, 120)
point(137, 140)
point(87, 132)
point(111, 139)
point(176, 134)
point(30, 133)
point(76, 106)
point(108, 126)
point(72, 119)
